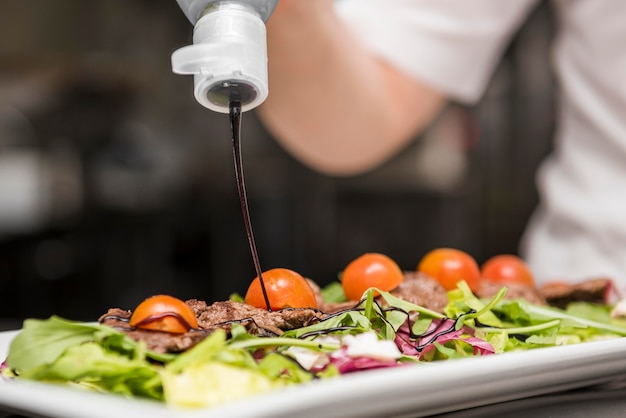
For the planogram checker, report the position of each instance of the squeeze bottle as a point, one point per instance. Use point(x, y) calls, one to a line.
point(228, 57)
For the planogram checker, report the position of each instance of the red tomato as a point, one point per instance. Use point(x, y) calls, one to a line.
point(285, 289)
point(506, 268)
point(370, 270)
point(164, 313)
point(450, 266)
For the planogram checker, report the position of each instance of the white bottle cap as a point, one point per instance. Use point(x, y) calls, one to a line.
point(228, 58)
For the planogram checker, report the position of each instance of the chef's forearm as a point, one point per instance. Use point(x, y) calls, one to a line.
point(331, 103)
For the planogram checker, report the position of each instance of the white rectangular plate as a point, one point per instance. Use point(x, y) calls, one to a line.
point(414, 391)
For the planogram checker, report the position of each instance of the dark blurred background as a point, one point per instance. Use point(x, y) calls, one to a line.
point(116, 185)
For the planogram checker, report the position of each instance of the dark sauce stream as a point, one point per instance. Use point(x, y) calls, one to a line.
point(235, 124)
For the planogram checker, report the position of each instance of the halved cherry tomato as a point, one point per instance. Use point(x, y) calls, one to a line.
point(507, 268)
point(285, 289)
point(449, 266)
point(370, 270)
point(164, 313)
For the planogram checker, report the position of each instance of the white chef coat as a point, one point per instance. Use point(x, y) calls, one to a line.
point(579, 229)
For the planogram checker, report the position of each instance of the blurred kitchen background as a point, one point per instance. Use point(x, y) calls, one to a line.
point(116, 185)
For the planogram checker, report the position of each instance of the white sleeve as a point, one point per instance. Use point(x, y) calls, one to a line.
point(453, 45)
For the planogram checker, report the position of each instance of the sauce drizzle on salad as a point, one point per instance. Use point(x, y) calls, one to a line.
point(443, 327)
point(235, 112)
point(158, 316)
point(149, 319)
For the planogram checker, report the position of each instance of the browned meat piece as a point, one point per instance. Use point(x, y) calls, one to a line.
point(220, 315)
point(421, 289)
point(531, 294)
point(334, 307)
point(559, 294)
point(229, 311)
point(116, 317)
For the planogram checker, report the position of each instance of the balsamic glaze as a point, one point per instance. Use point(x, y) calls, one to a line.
point(445, 326)
point(149, 319)
point(159, 316)
point(235, 112)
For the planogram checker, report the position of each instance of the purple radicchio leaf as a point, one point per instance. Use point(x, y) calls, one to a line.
point(440, 331)
point(346, 364)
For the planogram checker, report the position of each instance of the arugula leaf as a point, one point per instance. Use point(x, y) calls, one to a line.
point(461, 300)
point(213, 348)
point(278, 366)
point(529, 314)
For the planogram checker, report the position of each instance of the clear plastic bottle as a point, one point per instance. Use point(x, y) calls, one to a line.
point(228, 58)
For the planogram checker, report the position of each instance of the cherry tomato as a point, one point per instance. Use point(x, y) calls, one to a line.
point(449, 266)
point(507, 268)
point(164, 313)
point(370, 270)
point(285, 289)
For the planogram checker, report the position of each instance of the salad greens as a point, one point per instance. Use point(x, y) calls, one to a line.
point(98, 357)
point(380, 332)
point(185, 381)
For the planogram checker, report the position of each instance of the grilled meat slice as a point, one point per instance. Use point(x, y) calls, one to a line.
point(531, 294)
point(275, 321)
point(560, 294)
point(421, 289)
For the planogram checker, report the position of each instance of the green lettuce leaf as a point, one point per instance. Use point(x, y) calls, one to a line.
point(42, 341)
point(212, 383)
point(93, 366)
point(333, 293)
point(91, 355)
